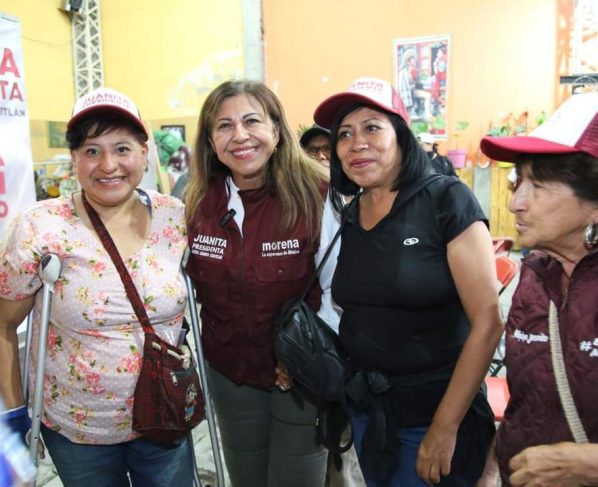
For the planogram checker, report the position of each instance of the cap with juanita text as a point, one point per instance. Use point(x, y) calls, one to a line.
point(572, 128)
point(368, 91)
point(106, 100)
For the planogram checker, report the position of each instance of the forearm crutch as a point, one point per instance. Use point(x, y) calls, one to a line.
point(49, 271)
point(204, 379)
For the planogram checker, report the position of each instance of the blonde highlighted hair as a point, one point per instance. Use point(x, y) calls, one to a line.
point(297, 179)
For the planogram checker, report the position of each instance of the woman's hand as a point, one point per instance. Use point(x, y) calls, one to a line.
point(435, 453)
point(283, 379)
point(563, 464)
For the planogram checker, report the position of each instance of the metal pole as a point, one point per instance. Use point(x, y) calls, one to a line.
point(204, 376)
point(49, 271)
point(24, 376)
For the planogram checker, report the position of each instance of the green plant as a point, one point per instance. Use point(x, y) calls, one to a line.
point(459, 128)
point(510, 125)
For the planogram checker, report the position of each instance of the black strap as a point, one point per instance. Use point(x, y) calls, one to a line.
point(330, 247)
point(405, 194)
point(110, 247)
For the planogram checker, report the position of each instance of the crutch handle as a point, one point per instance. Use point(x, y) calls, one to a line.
point(49, 269)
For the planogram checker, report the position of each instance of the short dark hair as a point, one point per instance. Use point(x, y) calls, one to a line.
point(96, 124)
point(578, 170)
point(415, 165)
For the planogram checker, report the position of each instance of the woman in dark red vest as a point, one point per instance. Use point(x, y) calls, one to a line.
point(550, 428)
point(254, 201)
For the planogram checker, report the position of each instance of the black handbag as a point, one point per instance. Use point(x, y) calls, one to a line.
point(307, 345)
point(312, 353)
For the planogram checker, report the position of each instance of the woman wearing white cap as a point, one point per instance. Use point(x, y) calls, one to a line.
point(549, 434)
point(94, 339)
point(416, 281)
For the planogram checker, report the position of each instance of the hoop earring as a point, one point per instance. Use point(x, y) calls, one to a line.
point(591, 235)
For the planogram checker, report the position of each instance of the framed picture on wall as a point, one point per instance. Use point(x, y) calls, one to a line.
point(56, 135)
point(176, 130)
point(421, 77)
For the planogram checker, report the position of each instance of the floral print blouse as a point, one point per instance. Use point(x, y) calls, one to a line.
point(95, 342)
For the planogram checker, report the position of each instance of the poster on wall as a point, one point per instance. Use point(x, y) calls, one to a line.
point(421, 76)
point(17, 189)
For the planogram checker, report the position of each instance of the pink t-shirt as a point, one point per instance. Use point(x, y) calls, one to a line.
point(94, 339)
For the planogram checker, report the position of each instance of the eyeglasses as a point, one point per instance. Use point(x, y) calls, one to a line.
point(314, 150)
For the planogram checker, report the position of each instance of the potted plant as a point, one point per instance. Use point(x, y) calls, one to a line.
point(457, 156)
point(510, 126)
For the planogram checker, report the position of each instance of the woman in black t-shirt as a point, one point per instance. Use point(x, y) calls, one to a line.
point(417, 283)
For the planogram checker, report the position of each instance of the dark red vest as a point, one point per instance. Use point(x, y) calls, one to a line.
point(242, 279)
point(534, 415)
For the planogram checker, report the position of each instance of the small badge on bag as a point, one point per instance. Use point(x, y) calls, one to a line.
point(190, 402)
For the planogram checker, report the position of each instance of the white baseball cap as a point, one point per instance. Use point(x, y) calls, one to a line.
point(426, 138)
point(370, 91)
point(572, 128)
point(106, 100)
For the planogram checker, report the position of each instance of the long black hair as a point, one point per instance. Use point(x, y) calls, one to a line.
point(415, 165)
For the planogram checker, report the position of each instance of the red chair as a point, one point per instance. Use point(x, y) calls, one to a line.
point(498, 390)
point(498, 395)
point(502, 244)
point(506, 270)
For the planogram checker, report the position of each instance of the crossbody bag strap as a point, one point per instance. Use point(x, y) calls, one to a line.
point(562, 382)
point(330, 247)
point(404, 195)
point(110, 247)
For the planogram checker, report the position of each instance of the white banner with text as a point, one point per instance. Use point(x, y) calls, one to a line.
point(17, 190)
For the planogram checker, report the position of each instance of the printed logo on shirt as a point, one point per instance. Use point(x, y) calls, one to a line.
point(529, 337)
point(279, 248)
point(411, 241)
point(590, 347)
point(208, 246)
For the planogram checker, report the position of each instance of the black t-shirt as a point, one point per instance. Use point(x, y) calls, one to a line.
point(401, 312)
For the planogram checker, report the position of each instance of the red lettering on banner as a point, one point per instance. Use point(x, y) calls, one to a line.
point(3, 209)
point(12, 93)
point(8, 64)
point(2, 182)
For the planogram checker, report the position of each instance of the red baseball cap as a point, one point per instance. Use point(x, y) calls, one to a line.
point(106, 100)
point(572, 128)
point(370, 91)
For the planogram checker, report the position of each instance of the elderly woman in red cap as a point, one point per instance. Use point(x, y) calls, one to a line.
point(94, 339)
point(549, 433)
point(416, 280)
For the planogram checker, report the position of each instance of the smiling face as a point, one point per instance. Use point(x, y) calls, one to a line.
point(368, 149)
point(110, 166)
point(549, 216)
point(244, 138)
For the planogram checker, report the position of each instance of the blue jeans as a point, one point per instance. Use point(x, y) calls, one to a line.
point(408, 440)
point(147, 464)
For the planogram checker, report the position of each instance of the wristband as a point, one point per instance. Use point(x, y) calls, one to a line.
point(18, 420)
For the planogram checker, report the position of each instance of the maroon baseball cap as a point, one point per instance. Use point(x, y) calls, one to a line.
point(106, 100)
point(369, 91)
point(572, 128)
